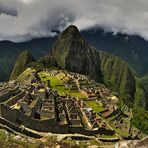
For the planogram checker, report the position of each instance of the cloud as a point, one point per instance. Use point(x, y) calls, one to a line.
point(26, 19)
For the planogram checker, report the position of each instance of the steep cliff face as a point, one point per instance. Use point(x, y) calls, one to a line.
point(73, 53)
point(117, 74)
point(24, 59)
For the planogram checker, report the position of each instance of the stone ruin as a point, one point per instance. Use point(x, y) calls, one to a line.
point(39, 108)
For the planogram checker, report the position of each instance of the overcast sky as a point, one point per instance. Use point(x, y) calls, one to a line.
point(25, 19)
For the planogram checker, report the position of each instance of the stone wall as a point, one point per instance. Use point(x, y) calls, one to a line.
point(37, 104)
point(38, 125)
point(4, 97)
point(14, 127)
point(15, 116)
point(117, 111)
point(8, 113)
point(14, 99)
point(50, 125)
point(81, 130)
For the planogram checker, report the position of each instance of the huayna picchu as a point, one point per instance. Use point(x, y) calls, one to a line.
point(75, 92)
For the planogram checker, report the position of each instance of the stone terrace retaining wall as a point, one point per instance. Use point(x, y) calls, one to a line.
point(81, 130)
point(6, 96)
point(14, 99)
point(50, 125)
point(14, 115)
point(18, 129)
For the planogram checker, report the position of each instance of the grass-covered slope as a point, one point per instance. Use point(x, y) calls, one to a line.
point(117, 74)
point(140, 119)
point(131, 48)
point(21, 64)
point(140, 94)
point(144, 81)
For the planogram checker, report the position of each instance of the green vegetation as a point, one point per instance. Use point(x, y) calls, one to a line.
point(57, 84)
point(96, 107)
point(72, 48)
point(25, 142)
point(140, 119)
point(35, 65)
point(70, 45)
point(3, 135)
point(140, 99)
point(10, 140)
point(111, 118)
point(117, 74)
point(21, 64)
point(64, 43)
point(144, 82)
point(48, 62)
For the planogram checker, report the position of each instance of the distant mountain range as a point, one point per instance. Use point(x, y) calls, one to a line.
point(132, 49)
point(9, 52)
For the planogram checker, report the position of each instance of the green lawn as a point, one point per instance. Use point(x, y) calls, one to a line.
point(3, 134)
point(111, 118)
point(57, 84)
point(96, 107)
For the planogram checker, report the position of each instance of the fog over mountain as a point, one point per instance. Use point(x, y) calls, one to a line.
point(23, 20)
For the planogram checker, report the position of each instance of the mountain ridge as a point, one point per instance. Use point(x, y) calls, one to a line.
point(71, 51)
point(130, 48)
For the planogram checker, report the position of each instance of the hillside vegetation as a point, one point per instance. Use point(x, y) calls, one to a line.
point(117, 74)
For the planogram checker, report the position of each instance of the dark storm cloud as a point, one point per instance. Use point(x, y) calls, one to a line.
point(25, 19)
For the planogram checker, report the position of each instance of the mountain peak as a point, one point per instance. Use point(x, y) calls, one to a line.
point(24, 58)
point(70, 31)
point(72, 52)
